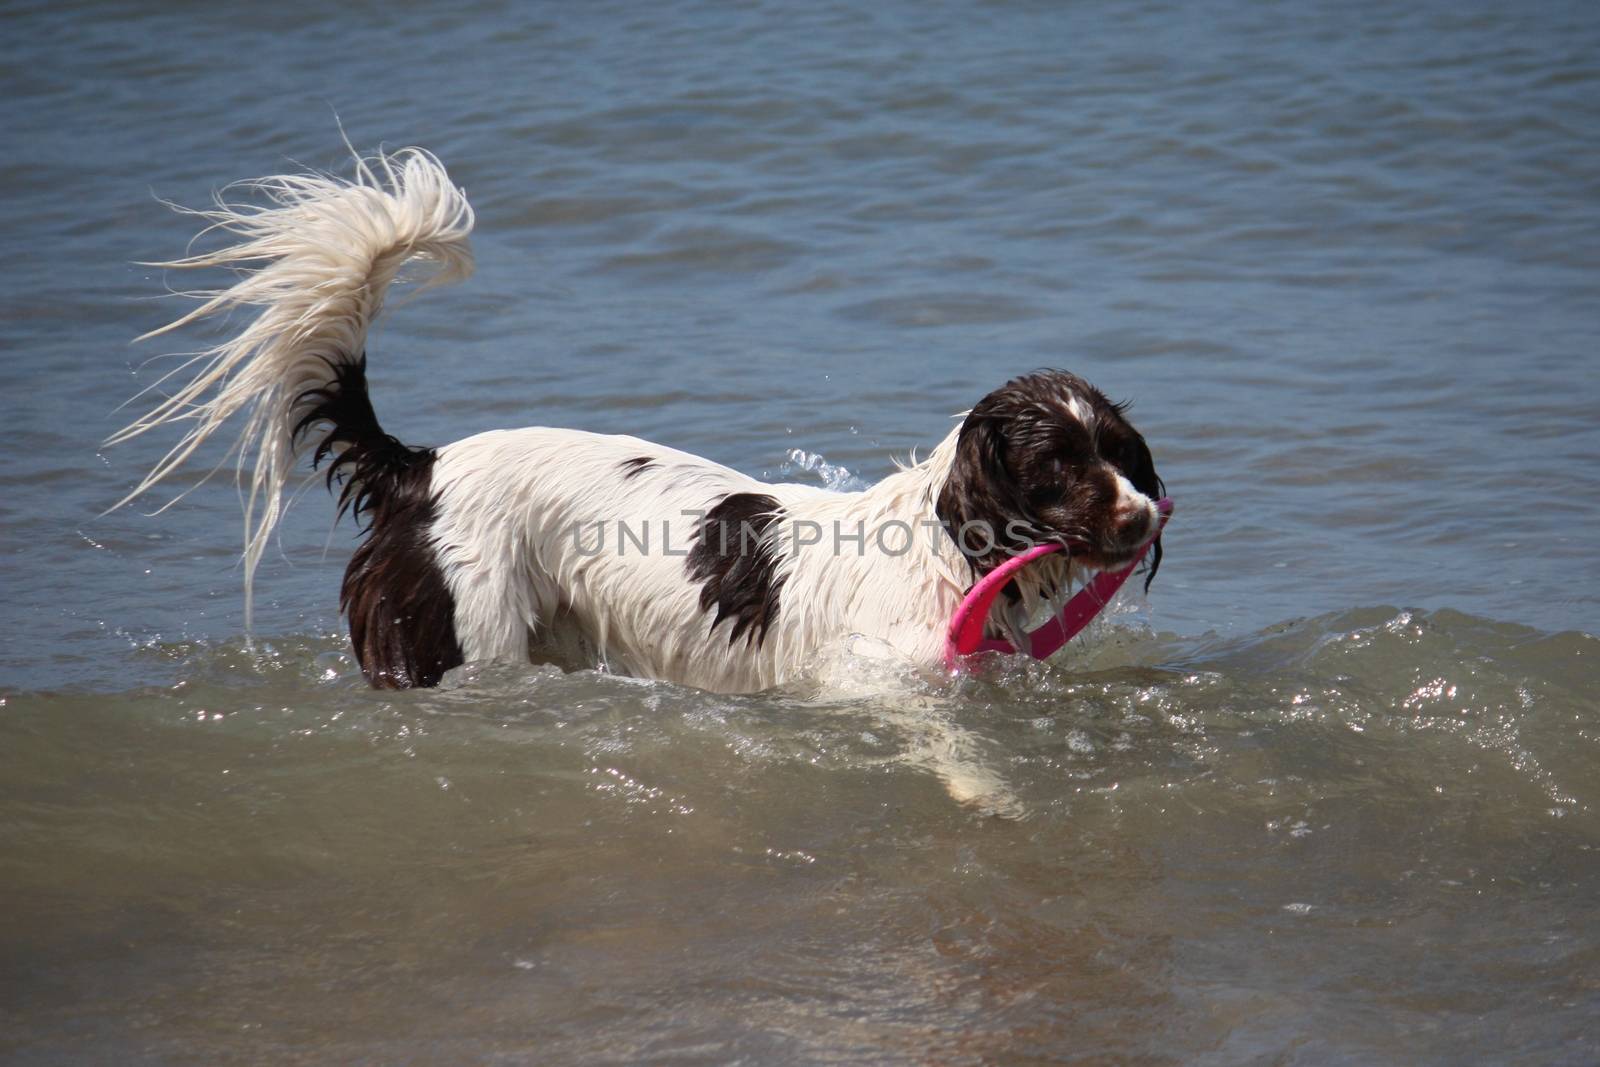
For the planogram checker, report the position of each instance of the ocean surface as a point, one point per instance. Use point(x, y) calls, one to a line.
point(1327, 796)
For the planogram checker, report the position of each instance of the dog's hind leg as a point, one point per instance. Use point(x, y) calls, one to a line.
point(500, 600)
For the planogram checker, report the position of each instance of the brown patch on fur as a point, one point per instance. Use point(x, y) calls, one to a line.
point(401, 613)
point(632, 468)
point(737, 566)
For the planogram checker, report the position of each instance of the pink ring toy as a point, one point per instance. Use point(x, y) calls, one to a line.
point(965, 635)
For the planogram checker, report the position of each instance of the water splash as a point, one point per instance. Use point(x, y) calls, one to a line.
point(831, 475)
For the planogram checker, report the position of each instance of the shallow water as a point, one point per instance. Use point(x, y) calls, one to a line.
point(1326, 797)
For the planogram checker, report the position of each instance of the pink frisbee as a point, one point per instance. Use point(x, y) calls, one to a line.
point(965, 635)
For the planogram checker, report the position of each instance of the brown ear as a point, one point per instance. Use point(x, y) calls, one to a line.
point(1155, 564)
point(979, 494)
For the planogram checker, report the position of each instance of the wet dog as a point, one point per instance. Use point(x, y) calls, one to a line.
point(588, 549)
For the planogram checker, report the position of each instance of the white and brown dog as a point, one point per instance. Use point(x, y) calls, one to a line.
point(586, 549)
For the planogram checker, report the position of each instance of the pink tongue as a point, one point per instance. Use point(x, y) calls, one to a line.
point(965, 635)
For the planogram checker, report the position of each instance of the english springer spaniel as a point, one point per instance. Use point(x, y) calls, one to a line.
point(590, 550)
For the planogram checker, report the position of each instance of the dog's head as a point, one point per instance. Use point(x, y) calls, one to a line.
point(1046, 457)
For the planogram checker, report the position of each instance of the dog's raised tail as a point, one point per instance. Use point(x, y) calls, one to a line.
point(316, 254)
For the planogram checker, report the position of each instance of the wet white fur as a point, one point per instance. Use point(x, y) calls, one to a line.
point(511, 501)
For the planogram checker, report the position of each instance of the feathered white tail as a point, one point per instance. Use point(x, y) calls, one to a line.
point(324, 252)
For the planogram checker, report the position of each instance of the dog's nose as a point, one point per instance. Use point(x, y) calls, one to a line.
point(1133, 524)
